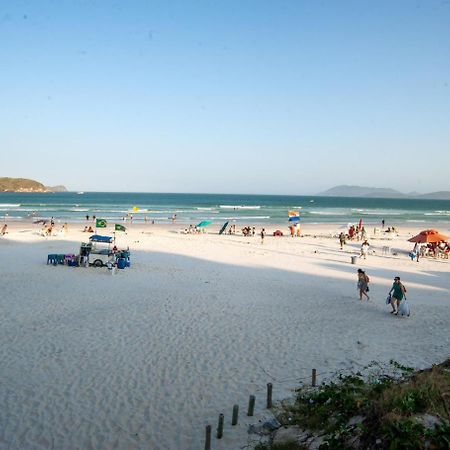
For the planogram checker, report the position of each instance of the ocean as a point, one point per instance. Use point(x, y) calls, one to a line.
point(243, 209)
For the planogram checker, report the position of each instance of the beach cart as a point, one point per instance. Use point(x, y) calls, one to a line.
point(98, 250)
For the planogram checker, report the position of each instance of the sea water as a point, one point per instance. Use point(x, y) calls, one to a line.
point(244, 209)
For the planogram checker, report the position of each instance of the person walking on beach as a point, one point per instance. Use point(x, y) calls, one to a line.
point(363, 284)
point(382, 224)
point(342, 240)
point(4, 229)
point(364, 249)
point(396, 294)
point(263, 234)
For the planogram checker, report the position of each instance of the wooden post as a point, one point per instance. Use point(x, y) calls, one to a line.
point(220, 427)
point(251, 405)
point(269, 395)
point(314, 378)
point(234, 419)
point(208, 438)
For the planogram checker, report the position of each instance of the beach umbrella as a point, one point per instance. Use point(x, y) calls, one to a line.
point(426, 236)
point(223, 227)
point(204, 223)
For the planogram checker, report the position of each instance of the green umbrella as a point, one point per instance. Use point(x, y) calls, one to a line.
point(203, 223)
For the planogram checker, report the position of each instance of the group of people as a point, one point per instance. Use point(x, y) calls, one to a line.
point(433, 249)
point(295, 230)
point(365, 246)
point(193, 229)
point(88, 229)
point(49, 230)
point(396, 295)
point(248, 231)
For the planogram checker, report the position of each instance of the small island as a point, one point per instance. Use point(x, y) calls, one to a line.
point(26, 185)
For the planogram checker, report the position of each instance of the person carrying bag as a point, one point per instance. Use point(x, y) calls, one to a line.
point(397, 294)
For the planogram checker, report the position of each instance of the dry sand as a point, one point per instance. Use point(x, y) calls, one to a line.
point(145, 359)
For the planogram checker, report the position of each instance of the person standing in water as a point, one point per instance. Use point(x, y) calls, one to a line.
point(263, 234)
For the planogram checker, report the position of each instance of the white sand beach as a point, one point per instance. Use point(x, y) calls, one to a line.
point(146, 358)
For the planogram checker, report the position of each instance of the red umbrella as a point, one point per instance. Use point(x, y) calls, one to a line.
point(428, 236)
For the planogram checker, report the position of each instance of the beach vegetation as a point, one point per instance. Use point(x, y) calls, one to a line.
point(400, 409)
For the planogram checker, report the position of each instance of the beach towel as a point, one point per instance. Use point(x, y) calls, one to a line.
point(404, 308)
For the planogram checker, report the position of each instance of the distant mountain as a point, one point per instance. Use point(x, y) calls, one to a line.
point(361, 191)
point(58, 188)
point(364, 191)
point(26, 185)
point(440, 195)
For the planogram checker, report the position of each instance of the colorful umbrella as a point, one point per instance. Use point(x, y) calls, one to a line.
point(203, 223)
point(426, 236)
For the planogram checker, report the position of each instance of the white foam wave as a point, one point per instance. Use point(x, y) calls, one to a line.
point(9, 205)
point(239, 207)
point(438, 213)
point(327, 213)
point(246, 217)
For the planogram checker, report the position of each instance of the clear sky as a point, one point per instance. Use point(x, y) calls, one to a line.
point(226, 96)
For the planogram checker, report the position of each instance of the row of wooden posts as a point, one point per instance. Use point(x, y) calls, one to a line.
point(250, 412)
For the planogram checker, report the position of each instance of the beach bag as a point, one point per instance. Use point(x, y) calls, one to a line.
point(367, 289)
point(388, 299)
point(404, 308)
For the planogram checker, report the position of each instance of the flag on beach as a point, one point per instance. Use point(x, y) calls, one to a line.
point(293, 213)
point(100, 223)
point(118, 227)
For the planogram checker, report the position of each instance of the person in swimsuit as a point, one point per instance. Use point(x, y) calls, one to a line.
point(397, 293)
point(363, 284)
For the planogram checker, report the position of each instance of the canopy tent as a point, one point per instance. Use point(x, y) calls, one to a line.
point(427, 236)
point(98, 238)
point(204, 223)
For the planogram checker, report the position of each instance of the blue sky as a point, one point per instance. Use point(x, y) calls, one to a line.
point(239, 96)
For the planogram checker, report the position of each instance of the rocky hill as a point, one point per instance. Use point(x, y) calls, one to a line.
point(26, 185)
point(372, 192)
